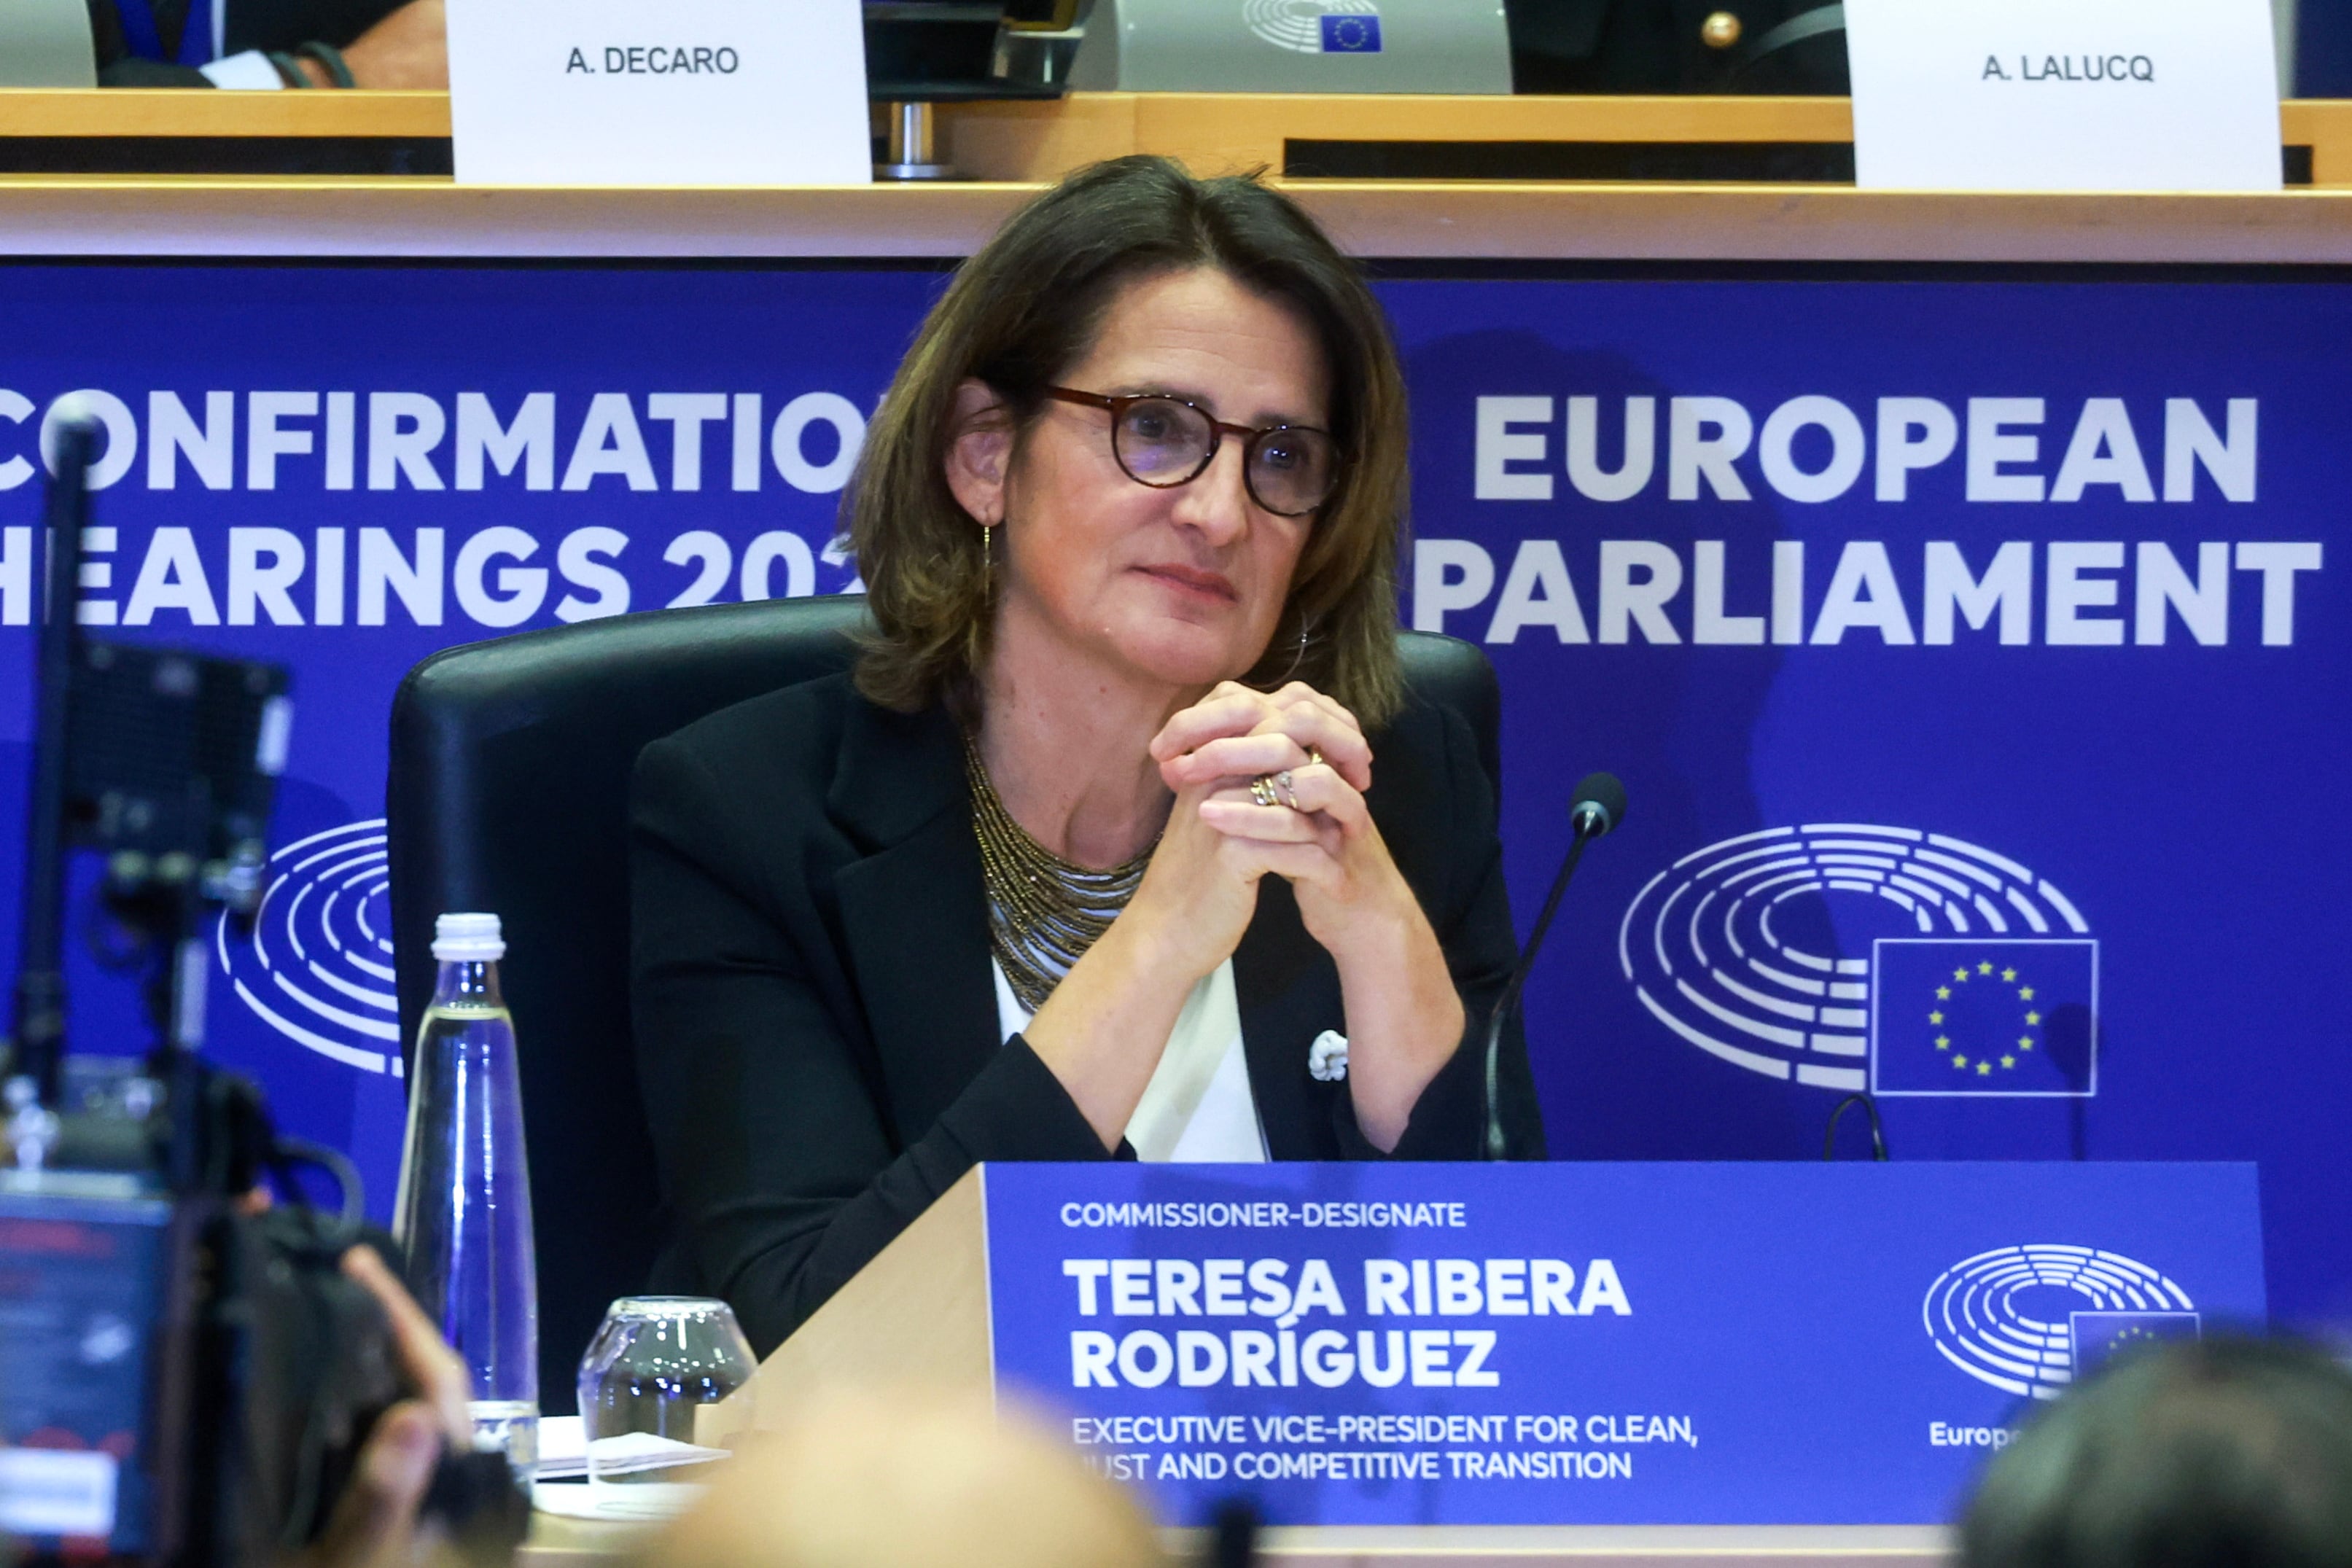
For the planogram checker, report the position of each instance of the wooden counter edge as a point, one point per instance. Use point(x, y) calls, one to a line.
point(1609, 1546)
point(1111, 120)
point(112, 112)
point(421, 220)
point(557, 1541)
point(1038, 139)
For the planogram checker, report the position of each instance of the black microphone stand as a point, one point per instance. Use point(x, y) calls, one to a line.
point(40, 984)
point(1590, 819)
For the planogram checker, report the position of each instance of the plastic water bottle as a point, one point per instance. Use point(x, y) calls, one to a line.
point(462, 1216)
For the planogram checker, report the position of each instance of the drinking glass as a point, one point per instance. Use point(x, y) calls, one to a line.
point(655, 1361)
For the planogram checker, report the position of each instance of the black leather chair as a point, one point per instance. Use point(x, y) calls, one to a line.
point(509, 792)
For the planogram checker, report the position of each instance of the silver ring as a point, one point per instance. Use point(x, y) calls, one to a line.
point(1282, 787)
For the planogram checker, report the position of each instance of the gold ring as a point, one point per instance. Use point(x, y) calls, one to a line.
point(1314, 756)
point(1282, 787)
point(1262, 790)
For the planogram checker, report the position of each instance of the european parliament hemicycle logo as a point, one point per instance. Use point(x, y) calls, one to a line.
point(1316, 26)
point(1850, 955)
point(2031, 1319)
point(317, 966)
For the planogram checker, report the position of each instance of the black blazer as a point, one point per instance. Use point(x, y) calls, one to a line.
point(816, 1021)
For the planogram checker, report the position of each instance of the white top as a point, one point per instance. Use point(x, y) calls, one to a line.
point(1198, 1107)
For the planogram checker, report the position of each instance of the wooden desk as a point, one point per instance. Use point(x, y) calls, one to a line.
point(557, 1543)
point(1040, 140)
point(1021, 145)
point(423, 219)
point(1033, 141)
point(134, 113)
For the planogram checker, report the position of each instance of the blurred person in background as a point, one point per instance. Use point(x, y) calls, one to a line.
point(907, 1481)
point(2227, 1452)
point(271, 43)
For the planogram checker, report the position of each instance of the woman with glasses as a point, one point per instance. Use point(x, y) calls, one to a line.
point(1122, 840)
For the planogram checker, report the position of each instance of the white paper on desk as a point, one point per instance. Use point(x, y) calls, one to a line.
point(644, 1500)
point(564, 1451)
point(2064, 95)
point(688, 92)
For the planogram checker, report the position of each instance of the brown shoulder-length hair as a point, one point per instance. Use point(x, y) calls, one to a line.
point(1024, 310)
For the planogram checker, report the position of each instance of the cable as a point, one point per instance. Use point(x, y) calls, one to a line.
point(1870, 1109)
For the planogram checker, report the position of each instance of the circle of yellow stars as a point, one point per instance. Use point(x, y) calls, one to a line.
point(1982, 1066)
point(2131, 1338)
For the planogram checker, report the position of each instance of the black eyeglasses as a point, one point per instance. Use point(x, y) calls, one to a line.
point(1164, 442)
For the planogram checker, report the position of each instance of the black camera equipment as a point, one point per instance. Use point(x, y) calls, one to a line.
point(181, 1381)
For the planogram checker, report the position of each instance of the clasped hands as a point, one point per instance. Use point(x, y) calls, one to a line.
point(1221, 841)
point(1404, 1017)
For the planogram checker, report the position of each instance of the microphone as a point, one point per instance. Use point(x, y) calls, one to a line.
point(1595, 806)
point(70, 443)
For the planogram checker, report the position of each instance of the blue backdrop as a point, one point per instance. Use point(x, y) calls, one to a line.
point(1972, 650)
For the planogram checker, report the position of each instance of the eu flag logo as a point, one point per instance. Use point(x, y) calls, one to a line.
point(2100, 1337)
point(1351, 34)
point(1996, 1016)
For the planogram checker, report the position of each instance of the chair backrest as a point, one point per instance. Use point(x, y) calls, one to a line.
point(509, 792)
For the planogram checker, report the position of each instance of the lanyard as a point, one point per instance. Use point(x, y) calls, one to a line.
point(145, 40)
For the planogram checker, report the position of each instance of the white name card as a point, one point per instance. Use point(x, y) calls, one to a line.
point(688, 92)
point(2055, 95)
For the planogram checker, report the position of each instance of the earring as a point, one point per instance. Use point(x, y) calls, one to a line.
point(987, 559)
point(1299, 654)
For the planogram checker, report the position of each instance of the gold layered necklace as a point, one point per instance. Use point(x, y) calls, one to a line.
point(1043, 912)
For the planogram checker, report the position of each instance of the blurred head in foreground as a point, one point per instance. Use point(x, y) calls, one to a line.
point(911, 1481)
point(2221, 1453)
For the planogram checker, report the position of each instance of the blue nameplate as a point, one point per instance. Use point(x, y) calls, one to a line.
point(1589, 1343)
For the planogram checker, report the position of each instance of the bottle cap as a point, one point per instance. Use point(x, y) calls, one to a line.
point(467, 939)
